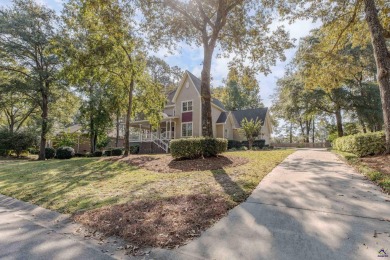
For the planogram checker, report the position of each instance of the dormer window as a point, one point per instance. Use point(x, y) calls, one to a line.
point(186, 106)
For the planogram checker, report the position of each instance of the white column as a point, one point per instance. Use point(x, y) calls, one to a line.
point(170, 129)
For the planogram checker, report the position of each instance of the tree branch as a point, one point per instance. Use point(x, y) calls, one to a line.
point(350, 22)
point(15, 70)
point(175, 6)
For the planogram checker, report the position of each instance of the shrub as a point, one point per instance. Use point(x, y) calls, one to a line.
point(108, 153)
point(80, 155)
point(50, 153)
point(256, 143)
point(98, 154)
point(16, 141)
point(134, 149)
point(234, 144)
point(243, 148)
point(192, 148)
point(117, 152)
point(238, 144)
point(361, 144)
point(65, 152)
point(33, 151)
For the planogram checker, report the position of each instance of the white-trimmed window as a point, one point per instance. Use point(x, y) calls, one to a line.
point(186, 106)
point(186, 129)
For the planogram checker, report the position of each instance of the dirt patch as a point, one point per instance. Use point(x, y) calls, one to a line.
point(380, 163)
point(165, 223)
point(166, 164)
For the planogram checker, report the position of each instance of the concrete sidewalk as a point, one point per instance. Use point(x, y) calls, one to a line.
point(31, 232)
point(312, 206)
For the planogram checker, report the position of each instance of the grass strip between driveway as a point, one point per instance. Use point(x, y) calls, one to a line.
point(147, 208)
point(377, 176)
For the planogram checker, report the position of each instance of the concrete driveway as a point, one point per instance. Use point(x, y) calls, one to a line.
point(31, 232)
point(312, 206)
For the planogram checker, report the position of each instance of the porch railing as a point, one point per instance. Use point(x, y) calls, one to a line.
point(150, 136)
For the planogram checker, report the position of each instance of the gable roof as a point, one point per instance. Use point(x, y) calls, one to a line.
point(222, 118)
point(250, 114)
point(197, 83)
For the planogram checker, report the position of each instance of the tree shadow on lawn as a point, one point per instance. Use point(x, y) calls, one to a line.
point(48, 183)
point(230, 187)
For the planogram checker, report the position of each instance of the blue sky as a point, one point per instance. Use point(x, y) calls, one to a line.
point(190, 57)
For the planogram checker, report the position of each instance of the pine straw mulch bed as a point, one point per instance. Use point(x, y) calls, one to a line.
point(165, 223)
point(380, 163)
point(166, 164)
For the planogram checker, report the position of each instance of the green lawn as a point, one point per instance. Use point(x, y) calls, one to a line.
point(78, 184)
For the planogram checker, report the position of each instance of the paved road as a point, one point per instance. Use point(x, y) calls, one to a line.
point(312, 206)
point(30, 232)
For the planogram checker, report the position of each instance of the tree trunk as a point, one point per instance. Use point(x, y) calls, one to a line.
point(382, 58)
point(207, 127)
point(339, 123)
point(250, 144)
point(314, 131)
point(128, 116)
point(291, 136)
point(45, 125)
point(308, 128)
point(91, 122)
point(117, 129)
point(363, 125)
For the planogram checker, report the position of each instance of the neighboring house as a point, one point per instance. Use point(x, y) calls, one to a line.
point(182, 118)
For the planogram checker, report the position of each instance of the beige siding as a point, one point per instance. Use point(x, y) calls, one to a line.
point(229, 128)
point(265, 132)
point(215, 113)
point(219, 131)
point(169, 111)
point(187, 94)
point(238, 136)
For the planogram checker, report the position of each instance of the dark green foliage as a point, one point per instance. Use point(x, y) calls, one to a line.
point(33, 151)
point(361, 144)
point(238, 144)
point(108, 153)
point(65, 152)
point(50, 153)
point(98, 154)
point(16, 141)
point(234, 144)
point(192, 148)
point(257, 143)
point(134, 149)
point(117, 152)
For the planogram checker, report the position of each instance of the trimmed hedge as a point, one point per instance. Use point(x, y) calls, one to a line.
point(361, 144)
point(192, 148)
point(98, 154)
point(50, 153)
point(134, 149)
point(65, 152)
point(238, 144)
point(108, 153)
point(117, 152)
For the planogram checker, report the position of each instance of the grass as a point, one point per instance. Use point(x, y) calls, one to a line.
point(80, 184)
point(381, 179)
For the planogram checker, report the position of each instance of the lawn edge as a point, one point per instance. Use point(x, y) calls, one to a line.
point(371, 174)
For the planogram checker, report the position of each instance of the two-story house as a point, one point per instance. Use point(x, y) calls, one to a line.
point(182, 119)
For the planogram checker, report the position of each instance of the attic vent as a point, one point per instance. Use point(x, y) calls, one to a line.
point(187, 84)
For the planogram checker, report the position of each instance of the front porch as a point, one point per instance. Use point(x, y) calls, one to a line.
point(142, 132)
